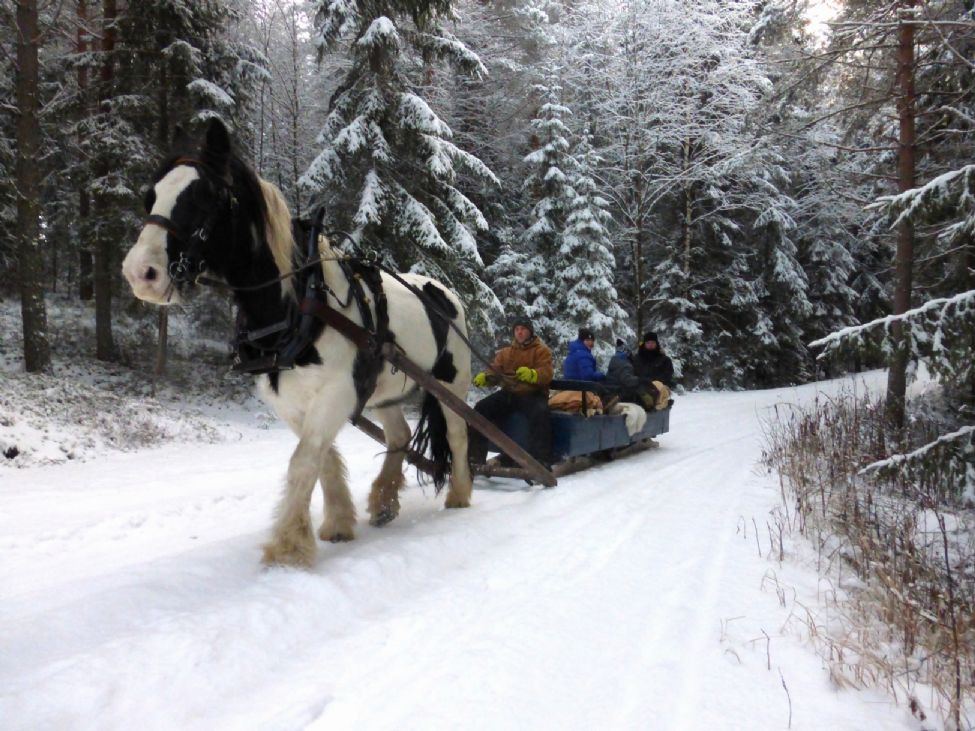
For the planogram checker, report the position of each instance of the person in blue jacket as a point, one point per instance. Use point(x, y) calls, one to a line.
point(580, 365)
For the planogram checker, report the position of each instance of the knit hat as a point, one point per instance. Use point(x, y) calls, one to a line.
point(586, 334)
point(648, 336)
point(524, 322)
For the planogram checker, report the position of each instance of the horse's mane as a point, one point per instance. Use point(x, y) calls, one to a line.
point(277, 232)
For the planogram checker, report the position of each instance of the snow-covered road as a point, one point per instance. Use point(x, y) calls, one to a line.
point(633, 596)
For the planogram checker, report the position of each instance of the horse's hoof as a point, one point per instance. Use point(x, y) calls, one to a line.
point(336, 536)
point(293, 556)
point(382, 518)
point(453, 501)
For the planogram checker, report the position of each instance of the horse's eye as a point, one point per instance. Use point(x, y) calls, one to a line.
point(203, 193)
point(149, 200)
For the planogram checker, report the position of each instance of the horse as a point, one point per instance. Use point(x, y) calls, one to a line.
point(212, 213)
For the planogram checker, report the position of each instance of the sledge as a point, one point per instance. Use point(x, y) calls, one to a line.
point(580, 440)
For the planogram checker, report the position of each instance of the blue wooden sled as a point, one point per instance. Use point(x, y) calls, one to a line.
point(577, 436)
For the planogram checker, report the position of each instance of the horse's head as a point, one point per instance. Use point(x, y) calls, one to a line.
point(189, 228)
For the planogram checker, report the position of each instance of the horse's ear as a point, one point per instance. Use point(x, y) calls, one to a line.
point(181, 141)
point(216, 148)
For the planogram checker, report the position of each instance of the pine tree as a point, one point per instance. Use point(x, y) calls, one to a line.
point(8, 200)
point(584, 278)
point(30, 261)
point(547, 184)
point(508, 276)
point(388, 169)
point(784, 302)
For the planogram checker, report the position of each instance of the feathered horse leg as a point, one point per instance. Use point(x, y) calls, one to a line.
point(292, 541)
point(339, 524)
point(384, 496)
point(459, 494)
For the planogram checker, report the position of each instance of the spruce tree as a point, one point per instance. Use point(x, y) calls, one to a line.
point(584, 276)
point(547, 184)
point(388, 168)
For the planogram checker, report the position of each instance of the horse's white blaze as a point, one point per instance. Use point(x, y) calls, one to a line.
point(146, 266)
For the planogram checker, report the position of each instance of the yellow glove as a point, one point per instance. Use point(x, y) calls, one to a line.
point(480, 379)
point(527, 375)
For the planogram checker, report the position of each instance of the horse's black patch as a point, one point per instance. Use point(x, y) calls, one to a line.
point(440, 299)
point(438, 306)
point(309, 356)
point(444, 369)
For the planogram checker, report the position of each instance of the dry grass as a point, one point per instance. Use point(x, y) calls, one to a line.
point(896, 548)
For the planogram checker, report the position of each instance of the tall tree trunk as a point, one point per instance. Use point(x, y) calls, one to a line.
point(904, 262)
point(688, 217)
point(37, 350)
point(86, 266)
point(104, 345)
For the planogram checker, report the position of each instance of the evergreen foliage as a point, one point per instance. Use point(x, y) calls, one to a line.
point(546, 184)
point(584, 277)
point(387, 172)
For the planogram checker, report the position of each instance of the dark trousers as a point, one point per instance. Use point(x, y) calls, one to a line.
point(496, 408)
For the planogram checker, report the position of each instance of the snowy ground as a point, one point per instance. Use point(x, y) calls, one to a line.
point(633, 596)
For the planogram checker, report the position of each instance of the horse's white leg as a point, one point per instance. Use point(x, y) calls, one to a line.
point(339, 522)
point(292, 541)
point(459, 494)
point(384, 495)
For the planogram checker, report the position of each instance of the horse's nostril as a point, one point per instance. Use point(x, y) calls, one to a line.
point(150, 274)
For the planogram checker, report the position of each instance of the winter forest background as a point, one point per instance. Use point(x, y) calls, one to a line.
point(783, 190)
point(719, 171)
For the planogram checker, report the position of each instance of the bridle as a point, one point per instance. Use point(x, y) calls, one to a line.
point(191, 263)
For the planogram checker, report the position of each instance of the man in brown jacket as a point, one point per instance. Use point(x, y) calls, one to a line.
point(524, 372)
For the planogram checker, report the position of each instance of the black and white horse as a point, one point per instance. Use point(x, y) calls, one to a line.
point(213, 212)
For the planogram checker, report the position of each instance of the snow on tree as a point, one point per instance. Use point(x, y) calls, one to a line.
point(388, 168)
point(508, 275)
point(586, 295)
point(785, 301)
point(547, 184)
point(698, 192)
point(940, 332)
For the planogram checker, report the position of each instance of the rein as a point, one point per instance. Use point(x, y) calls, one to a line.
point(190, 268)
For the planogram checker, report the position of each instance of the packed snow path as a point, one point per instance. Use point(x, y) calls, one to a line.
point(633, 596)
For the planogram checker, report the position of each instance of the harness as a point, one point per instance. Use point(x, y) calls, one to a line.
point(300, 327)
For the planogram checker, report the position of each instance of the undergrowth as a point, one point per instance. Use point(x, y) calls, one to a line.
point(895, 539)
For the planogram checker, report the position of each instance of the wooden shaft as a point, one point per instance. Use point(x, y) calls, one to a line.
point(376, 432)
point(453, 402)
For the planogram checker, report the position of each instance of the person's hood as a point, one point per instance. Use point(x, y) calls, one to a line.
point(577, 345)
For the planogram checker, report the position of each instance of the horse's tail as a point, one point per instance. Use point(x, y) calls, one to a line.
point(431, 434)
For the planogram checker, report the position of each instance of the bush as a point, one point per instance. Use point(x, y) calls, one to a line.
point(896, 537)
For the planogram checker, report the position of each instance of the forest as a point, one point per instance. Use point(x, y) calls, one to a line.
point(782, 190)
point(745, 178)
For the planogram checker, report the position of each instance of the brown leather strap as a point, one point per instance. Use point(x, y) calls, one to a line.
point(359, 336)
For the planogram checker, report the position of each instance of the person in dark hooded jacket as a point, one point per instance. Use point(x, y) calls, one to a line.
point(620, 376)
point(579, 364)
point(650, 363)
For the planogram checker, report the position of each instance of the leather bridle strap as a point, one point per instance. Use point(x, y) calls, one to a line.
point(167, 225)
